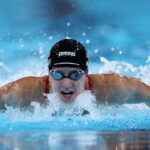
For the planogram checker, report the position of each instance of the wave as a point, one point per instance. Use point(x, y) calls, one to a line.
point(57, 115)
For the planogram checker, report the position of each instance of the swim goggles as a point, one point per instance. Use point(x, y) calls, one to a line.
point(59, 75)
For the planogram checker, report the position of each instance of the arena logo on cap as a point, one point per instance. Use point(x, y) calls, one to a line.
point(67, 54)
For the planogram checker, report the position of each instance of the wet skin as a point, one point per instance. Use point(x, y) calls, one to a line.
point(110, 88)
point(68, 89)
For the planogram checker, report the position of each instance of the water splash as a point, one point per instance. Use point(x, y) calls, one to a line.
point(57, 115)
point(54, 108)
point(140, 72)
point(85, 101)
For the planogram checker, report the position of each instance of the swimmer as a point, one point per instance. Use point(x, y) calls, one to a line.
point(68, 77)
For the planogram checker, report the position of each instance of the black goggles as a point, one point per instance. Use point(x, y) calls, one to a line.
point(59, 75)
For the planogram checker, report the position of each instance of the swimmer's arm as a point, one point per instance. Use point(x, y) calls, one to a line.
point(23, 91)
point(141, 91)
point(9, 93)
point(114, 88)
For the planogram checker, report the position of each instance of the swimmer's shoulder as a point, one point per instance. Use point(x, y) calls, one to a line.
point(99, 78)
point(103, 85)
point(27, 82)
point(110, 81)
point(114, 79)
point(33, 81)
point(118, 88)
point(24, 90)
point(26, 85)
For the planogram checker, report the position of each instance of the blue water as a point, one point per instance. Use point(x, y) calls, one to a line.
point(117, 37)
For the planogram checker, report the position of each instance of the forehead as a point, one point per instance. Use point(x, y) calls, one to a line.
point(66, 69)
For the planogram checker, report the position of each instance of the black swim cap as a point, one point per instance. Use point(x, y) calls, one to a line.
point(68, 53)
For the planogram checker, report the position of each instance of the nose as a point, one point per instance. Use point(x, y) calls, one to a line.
point(67, 83)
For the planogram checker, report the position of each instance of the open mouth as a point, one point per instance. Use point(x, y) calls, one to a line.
point(67, 93)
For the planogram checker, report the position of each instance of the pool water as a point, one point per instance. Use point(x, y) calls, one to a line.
point(117, 37)
point(98, 140)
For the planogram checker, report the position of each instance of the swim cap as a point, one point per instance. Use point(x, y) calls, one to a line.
point(68, 53)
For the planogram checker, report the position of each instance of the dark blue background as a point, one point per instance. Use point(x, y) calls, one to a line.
point(117, 30)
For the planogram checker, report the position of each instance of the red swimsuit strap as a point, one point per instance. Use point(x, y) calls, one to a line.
point(90, 84)
point(47, 85)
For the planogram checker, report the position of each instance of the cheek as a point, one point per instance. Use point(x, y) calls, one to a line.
point(79, 86)
point(55, 85)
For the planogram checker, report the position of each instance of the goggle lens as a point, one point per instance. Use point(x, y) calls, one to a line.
point(57, 75)
point(76, 76)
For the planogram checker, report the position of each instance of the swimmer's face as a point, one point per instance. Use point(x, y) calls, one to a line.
point(66, 88)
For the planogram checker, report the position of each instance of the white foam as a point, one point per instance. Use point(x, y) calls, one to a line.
point(58, 113)
point(140, 72)
point(85, 101)
point(116, 67)
point(55, 108)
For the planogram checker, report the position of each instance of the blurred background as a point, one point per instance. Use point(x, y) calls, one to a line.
point(117, 37)
point(110, 30)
